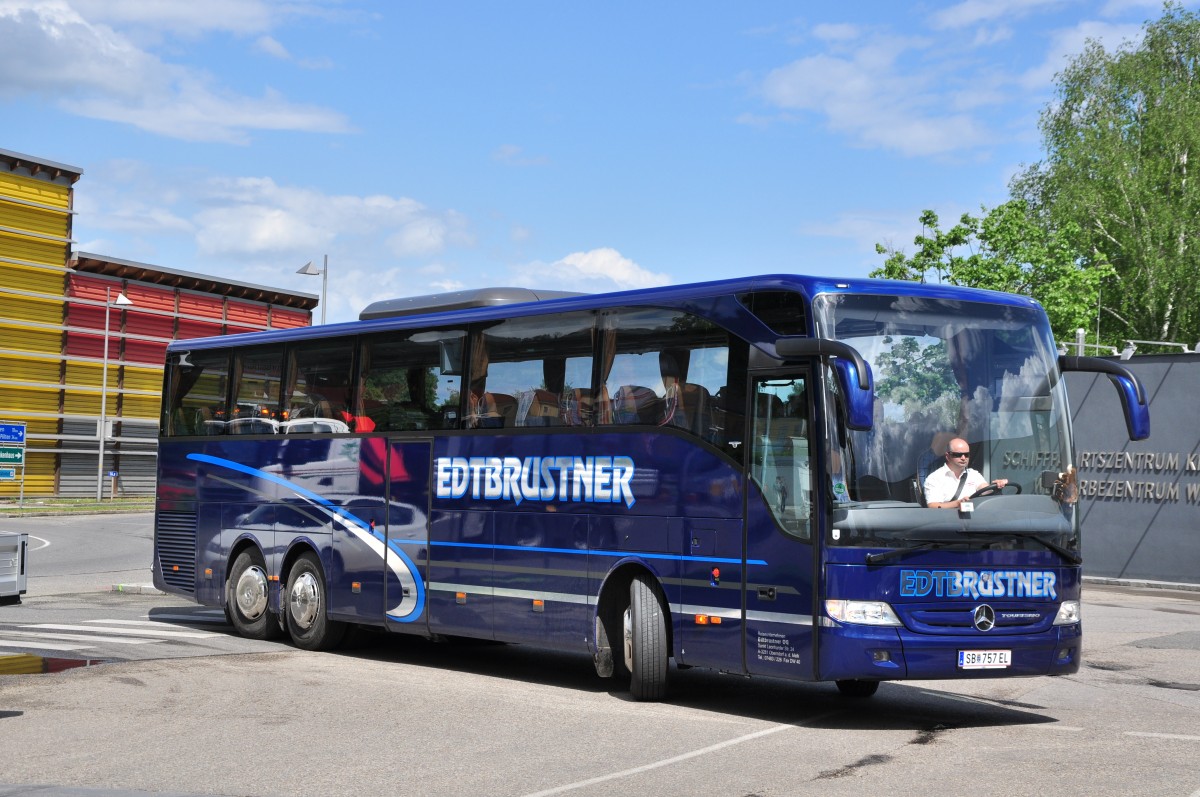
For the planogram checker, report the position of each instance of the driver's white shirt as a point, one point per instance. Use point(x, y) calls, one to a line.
point(941, 485)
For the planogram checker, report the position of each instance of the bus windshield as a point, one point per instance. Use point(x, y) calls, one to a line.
point(948, 370)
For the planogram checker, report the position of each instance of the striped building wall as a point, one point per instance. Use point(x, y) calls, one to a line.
point(52, 316)
point(137, 343)
point(35, 242)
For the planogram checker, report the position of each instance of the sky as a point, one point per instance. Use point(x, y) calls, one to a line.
point(432, 147)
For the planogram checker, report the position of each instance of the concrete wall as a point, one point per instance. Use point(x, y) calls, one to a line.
point(1141, 501)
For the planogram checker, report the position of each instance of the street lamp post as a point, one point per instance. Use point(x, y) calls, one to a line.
point(109, 303)
point(309, 270)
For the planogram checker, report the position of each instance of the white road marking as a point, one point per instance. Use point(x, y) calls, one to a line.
point(218, 619)
point(131, 631)
point(24, 643)
point(153, 623)
point(44, 543)
point(1178, 736)
point(85, 638)
point(673, 760)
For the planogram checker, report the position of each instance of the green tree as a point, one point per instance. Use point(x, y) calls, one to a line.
point(1007, 249)
point(1117, 180)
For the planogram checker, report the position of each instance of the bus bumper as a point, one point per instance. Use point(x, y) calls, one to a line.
point(890, 654)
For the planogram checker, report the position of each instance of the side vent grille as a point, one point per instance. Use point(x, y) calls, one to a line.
point(175, 548)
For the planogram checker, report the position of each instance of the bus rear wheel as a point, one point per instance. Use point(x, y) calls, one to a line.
point(857, 688)
point(246, 598)
point(645, 642)
point(306, 609)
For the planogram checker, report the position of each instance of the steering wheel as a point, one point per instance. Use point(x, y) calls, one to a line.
point(993, 489)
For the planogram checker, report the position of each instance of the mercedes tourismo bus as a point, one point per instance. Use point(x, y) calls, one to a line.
point(725, 474)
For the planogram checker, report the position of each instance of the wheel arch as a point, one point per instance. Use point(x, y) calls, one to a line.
point(614, 598)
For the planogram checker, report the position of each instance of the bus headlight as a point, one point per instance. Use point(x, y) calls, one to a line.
point(1068, 613)
point(862, 612)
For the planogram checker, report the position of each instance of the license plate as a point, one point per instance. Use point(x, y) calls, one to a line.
point(984, 659)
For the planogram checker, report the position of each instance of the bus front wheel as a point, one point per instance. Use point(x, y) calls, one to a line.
point(645, 642)
point(307, 603)
point(246, 598)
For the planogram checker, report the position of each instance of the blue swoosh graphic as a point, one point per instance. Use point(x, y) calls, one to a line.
point(347, 518)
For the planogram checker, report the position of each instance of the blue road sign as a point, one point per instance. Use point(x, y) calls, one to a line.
point(12, 433)
point(7, 474)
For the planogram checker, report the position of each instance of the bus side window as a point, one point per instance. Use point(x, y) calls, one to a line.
point(198, 394)
point(411, 382)
point(256, 407)
point(534, 371)
point(664, 368)
point(318, 395)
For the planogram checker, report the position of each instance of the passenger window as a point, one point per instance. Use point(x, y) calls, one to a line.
point(199, 399)
point(411, 381)
point(533, 371)
point(256, 408)
point(665, 368)
point(319, 396)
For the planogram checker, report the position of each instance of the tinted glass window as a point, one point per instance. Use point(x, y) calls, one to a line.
point(785, 312)
point(411, 381)
point(319, 399)
point(665, 368)
point(532, 372)
point(256, 408)
point(198, 402)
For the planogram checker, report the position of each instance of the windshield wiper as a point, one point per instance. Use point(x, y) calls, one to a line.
point(921, 545)
point(1065, 553)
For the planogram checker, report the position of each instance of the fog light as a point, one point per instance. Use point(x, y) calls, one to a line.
point(881, 655)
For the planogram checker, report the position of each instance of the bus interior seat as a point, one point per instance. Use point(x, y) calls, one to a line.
point(691, 409)
point(575, 408)
point(635, 404)
point(498, 410)
point(544, 410)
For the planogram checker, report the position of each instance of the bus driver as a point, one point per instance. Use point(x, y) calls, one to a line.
point(950, 485)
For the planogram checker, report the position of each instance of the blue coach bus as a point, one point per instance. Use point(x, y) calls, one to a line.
point(727, 474)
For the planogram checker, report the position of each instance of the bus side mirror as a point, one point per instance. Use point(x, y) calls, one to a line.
point(852, 371)
point(1133, 397)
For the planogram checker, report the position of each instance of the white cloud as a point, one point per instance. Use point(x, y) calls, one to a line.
point(603, 269)
point(836, 32)
point(973, 12)
point(513, 155)
point(244, 17)
point(869, 96)
point(1067, 43)
point(272, 47)
point(90, 69)
point(252, 216)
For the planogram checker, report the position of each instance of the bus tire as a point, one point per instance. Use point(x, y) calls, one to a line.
point(645, 643)
point(246, 598)
point(306, 607)
point(857, 688)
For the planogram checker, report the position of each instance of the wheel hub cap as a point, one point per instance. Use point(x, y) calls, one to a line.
point(304, 601)
point(251, 593)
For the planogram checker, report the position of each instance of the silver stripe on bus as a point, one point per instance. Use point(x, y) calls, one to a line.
point(502, 592)
point(736, 614)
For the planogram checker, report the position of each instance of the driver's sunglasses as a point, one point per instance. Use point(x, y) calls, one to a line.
point(958, 453)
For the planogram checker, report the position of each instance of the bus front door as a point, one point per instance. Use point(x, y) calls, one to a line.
point(780, 520)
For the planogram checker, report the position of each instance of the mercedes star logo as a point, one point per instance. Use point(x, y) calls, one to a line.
point(985, 617)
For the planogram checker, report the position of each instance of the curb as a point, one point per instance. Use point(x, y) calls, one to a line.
point(136, 589)
point(1139, 583)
